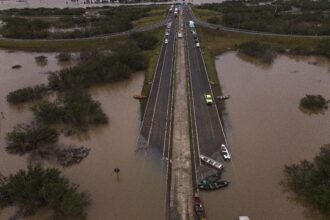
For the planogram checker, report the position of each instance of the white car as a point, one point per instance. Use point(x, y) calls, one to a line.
point(197, 45)
point(166, 41)
point(179, 35)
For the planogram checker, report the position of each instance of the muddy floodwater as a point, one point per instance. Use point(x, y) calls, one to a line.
point(265, 131)
point(137, 192)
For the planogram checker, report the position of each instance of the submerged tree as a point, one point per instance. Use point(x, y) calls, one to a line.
point(28, 137)
point(313, 103)
point(38, 187)
point(310, 181)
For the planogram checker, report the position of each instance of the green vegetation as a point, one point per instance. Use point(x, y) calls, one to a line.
point(105, 21)
point(43, 11)
point(263, 52)
point(24, 29)
point(152, 57)
point(38, 187)
point(222, 41)
point(26, 138)
point(209, 58)
point(27, 94)
point(43, 60)
point(314, 103)
point(305, 17)
point(64, 57)
point(145, 41)
point(75, 107)
point(310, 181)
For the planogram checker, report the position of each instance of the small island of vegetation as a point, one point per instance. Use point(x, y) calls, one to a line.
point(310, 181)
point(313, 103)
point(263, 52)
point(38, 187)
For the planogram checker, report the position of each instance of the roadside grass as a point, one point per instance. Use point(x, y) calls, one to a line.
point(152, 56)
point(221, 41)
point(205, 14)
point(209, 59)
point(156, 15)
point(62, 45)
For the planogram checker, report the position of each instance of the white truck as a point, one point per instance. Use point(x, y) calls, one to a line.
point(191, 24)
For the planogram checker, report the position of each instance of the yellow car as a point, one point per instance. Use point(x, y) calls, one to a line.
point(208, 99)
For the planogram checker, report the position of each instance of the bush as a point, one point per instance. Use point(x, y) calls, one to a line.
point(26, 138)
point(213, 20)
point(263, 52)
point(64, 57)
point(24, 28)
point(27, 94)
point(313, 103)
point(310, 181)
point(38, 187)
point(75, 107)
point(145, 41)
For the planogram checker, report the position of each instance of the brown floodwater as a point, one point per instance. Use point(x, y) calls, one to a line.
point(265, 131)
point(138, 191)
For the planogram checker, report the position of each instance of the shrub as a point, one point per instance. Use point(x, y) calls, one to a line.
point(313, 102)
point(38, 187)
point(213, 20)
point(27, 94)
point(263, 52)
point(25, 138)
point(310, 181)
point(64, 57)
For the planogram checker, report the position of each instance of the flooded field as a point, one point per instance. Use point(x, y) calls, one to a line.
point(265, 131)
point(138, 191)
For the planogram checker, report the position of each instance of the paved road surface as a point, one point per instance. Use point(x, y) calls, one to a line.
point(156, 123)
point(207, 128)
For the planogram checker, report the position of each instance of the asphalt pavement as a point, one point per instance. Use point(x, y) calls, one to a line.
point(156, 123)
point(208, 133)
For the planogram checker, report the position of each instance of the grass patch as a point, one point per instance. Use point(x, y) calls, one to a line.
point(75, 45)
point(221, 41)
point(152, 56)
point(206, 14)
point(62, 45)
point(209, 57)
point(156, 15)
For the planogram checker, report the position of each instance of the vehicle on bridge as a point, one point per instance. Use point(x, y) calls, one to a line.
point(225, 153)
point(213, 163)
point(208, 99)
point(199, 207)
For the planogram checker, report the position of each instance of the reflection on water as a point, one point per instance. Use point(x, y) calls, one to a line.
point(265, 131)
point(138, 191)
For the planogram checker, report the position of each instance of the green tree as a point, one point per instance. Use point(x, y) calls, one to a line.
point(37, 187)
point(310, 181)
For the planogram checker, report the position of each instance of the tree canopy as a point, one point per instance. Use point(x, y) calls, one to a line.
point(310, 181)
point(38, 187)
